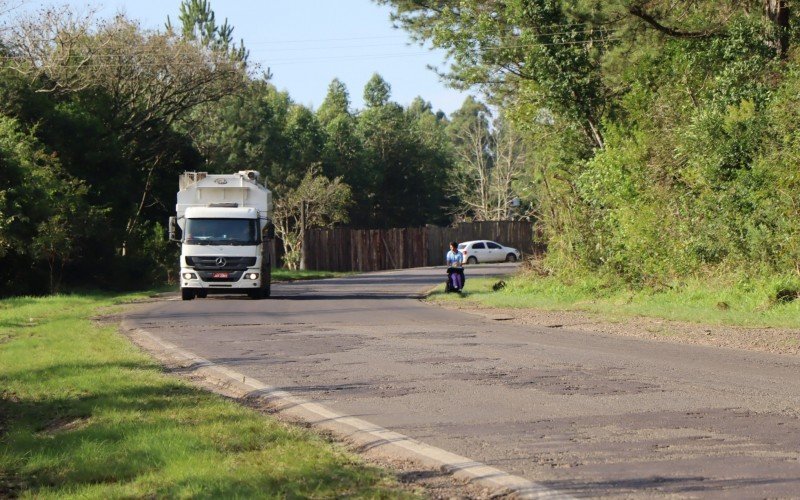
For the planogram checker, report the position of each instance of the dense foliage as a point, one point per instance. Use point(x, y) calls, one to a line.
point(651, 139)
point(98, 119)
point(663, 134)
point(395, 159)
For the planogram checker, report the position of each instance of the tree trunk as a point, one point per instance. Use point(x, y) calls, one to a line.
point(778, 14)
point(51, 262)
point(302, 235)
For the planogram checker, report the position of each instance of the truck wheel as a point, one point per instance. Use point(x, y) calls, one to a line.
point(201, 294)
point(256, 294)
point(187, 293)
point(267, 290)
point(472, 260)
point(511, 258)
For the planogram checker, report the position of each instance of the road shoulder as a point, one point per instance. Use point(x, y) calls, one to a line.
point(773, 340)
point(440, 473)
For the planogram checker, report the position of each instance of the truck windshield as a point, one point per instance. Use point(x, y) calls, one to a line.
point(221, 232)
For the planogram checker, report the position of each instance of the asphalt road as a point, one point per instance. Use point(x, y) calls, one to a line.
point(586, 414)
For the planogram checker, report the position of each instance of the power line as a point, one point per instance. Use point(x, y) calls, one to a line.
point(379, 56)
point(382, 37)
point(147, 54)
point(144, 58)
point(271, 42)
point(310, 40)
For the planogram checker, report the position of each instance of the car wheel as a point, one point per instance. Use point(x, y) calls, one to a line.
point(511, 258)
point(187, 293)
point(472, 260)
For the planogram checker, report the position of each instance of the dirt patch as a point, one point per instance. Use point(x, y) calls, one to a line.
point(773, 340)
point(64, 424)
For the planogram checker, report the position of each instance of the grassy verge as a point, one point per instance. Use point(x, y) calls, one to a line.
point(84, 414)
point(296, 274)
point(768, 303)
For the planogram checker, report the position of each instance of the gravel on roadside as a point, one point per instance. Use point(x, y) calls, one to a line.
point(773, 340)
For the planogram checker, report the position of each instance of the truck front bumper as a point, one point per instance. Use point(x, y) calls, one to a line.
point(203, 280)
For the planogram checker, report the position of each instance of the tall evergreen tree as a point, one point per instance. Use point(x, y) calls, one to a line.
point(336, 102)
point(377, 92)
point(198, 22)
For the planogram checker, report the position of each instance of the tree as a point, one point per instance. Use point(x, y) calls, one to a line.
point(472, 144)
point(432, 161)
point(342, 152)
point(244, 131)
point(519, 46)
point(701, 21)
point(377, 91)
point(148, 82)
point(43, 213)
point(489, 160)
point(305, 141)
point(151, 104)
point(198, 23)
point(335, 104)
point(405, 160)
point(419, 107)
point(510, 162)
point(315, 202)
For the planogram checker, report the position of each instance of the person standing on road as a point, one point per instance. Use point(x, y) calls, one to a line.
point(455, 266)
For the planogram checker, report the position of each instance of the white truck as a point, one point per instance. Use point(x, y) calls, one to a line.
point(226, 231)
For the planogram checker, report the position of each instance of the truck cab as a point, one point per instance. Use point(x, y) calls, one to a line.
point(226, 234)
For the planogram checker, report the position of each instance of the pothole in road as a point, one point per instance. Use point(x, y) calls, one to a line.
point(566, 381)
point(437, 335)
point(558, 381)
point(440, 360)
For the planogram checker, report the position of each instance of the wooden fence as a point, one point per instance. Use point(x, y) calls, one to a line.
point(346, 249)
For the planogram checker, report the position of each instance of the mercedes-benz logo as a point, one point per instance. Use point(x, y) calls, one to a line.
point(220, 262)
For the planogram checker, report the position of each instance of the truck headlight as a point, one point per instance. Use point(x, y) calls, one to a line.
point(189, 276)
point(251, 276)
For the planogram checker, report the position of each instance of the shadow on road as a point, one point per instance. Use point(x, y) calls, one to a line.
point(668, 485)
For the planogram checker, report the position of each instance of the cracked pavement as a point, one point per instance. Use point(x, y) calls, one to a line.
point(585, 413)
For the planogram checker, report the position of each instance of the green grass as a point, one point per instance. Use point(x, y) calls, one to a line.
point(714, 301)
point(84, 414)
point(294, 275)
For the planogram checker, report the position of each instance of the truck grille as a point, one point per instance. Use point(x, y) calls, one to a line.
point(213, 263)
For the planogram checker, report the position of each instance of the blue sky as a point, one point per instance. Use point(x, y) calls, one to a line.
point(306, 43)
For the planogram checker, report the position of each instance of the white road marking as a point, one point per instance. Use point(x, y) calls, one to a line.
point(364, 434)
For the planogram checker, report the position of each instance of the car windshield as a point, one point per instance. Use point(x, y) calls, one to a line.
point(221, 232)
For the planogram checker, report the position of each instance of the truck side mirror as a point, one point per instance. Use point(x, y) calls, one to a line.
point(173, 229)
point(269, 231)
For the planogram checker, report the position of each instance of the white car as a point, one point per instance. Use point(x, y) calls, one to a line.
point(487, 251)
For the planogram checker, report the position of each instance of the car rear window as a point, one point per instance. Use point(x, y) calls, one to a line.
point(478, 245)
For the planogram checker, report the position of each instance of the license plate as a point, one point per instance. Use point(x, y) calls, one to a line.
point(220, 275)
